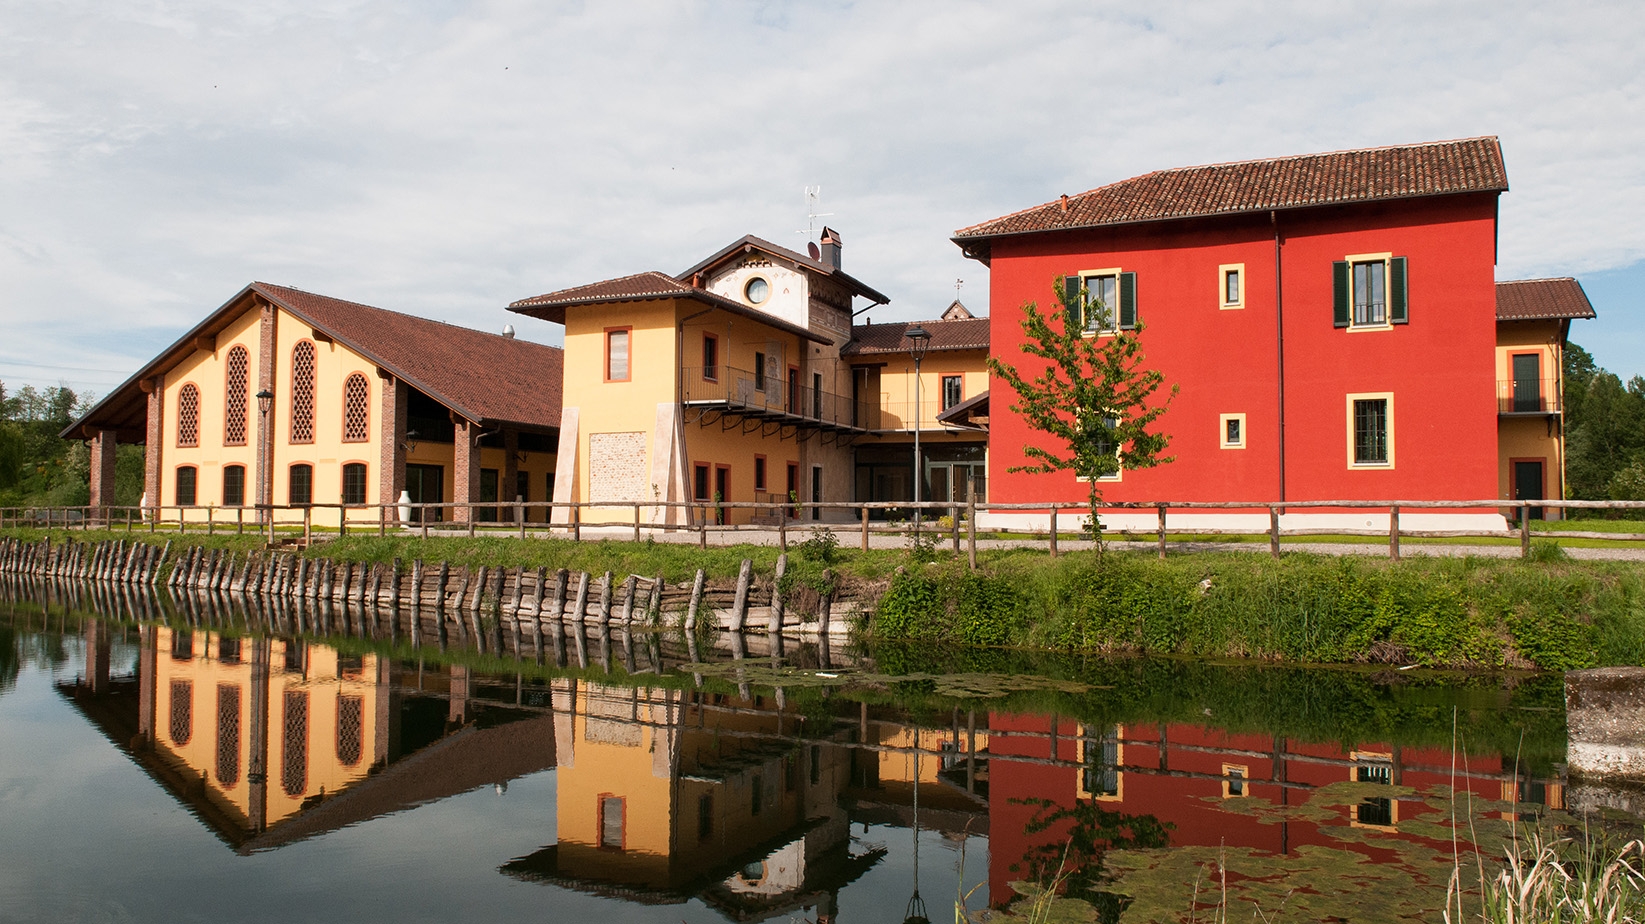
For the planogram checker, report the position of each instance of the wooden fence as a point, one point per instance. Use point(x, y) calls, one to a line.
point(934, 519)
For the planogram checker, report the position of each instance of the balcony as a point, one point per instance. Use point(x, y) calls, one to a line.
point(770, 399)
point(1527, 397)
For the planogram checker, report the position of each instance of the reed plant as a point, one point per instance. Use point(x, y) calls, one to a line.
point(1545, 880)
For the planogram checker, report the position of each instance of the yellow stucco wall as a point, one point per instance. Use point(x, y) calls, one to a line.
point(208, 371)
point(328, 453)
point(1536, 437)
point(897, 391)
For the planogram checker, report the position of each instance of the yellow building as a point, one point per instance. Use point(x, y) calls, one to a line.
point(1533, 321)
point(286, 398)
point(744, 380)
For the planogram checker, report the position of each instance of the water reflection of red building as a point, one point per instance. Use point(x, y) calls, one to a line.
point(1181, 774)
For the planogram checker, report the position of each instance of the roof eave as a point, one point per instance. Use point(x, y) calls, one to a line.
point(700, 295)
point(857, 286)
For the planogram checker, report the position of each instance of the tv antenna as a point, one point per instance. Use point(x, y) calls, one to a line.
point(813, 202)
point(957, 284)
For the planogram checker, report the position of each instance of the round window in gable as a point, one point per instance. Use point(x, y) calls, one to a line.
point(757, 291)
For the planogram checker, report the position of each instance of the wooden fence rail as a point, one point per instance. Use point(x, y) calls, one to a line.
point(938, 518)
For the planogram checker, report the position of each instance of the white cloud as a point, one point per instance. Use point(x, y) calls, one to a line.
point(446, 158)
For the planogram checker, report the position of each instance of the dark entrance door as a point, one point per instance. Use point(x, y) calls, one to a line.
point(722, 492)
point(488, 494)
point(1528, 485)
point(1527, 383)
point(426, 485)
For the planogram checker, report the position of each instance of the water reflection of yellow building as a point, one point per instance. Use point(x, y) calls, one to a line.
point(267, 725)
point(664, 794)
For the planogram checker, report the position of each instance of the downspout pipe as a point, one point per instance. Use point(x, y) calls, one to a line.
point(1279, 342)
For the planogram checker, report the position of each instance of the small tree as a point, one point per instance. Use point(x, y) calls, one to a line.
point(1091, 396)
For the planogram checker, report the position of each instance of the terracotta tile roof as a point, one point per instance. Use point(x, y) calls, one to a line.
point(484, 377)
point(1540, 299)
point(871, 339)
point(1401, 172)
point(750, 242)
point(551, 306)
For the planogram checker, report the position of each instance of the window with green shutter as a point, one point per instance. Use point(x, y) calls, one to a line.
point(1101, 302)
point(1369, 292)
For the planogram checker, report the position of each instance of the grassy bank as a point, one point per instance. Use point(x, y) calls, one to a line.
point(1549, 612)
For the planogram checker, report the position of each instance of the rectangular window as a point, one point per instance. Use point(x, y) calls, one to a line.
point(705, 816)
point(1101, 755)
point(354, 483)
point(234, 485)
point(953, 390)
point(1369, 291)
point(185, 485)
point(612, 811)
point(793, 404)
point(699, 482)
point(711, 358)
point(816, 491)
point(1233, 431)
point(300, 485)
point(1233, 780)
point(616, 355)
point(1231, 285)
point(792, 488)
point(1371, 430)
point(816, 395)
point(759, 473)
point(1110, 302)
point(759, 372)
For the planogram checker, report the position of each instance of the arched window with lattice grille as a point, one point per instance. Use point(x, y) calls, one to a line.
point(350, 728)
point(182, 711)
point(302, 393)
point(228, 734)
point(294, 744)
point(356, 409)
point(188, 416)
point(236, 393)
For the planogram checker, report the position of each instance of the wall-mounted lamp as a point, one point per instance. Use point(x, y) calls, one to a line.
point(519, 457)
point(410, 442)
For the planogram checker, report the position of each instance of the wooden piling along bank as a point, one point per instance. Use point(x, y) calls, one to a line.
point(467, 597)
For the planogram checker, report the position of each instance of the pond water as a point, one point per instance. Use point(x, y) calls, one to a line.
point(199, 759)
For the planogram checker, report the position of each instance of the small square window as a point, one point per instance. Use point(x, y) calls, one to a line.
point(1232, 431)
point(1371, 430)
point(1234, 779)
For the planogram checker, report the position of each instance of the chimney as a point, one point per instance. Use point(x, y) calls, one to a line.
point(1065, 202)
point(831, 247)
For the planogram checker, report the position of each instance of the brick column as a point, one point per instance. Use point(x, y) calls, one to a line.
point(391, 457)
point(102, 448)
point(465, 468)
point(153, 452)
point(510, 474)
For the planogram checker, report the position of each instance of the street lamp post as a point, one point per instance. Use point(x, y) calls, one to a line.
point(919, 338)
point(265, 401)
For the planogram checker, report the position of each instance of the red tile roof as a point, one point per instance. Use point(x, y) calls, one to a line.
point(643, 287)
point(1541, 299)
point(872, 339)
point(487, 378)
point(484, 377)
point(1401, 172)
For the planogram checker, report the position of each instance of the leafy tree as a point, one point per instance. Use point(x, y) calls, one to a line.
point(1091, 395)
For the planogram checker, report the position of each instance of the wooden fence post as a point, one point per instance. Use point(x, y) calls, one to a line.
point(775, 623)
point(971, 525)
point(1162, 531)
point(865, 529)
point(739, 608)
point(696, 601)
point(1053, 533)
point(1393, 532)
point(1524, 530)
point(1273, 531)
point(636, 522)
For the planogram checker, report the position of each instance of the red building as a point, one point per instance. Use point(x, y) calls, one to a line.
point(1330, 319)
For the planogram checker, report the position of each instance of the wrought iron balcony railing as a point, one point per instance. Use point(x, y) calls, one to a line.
point(1527, 396)
point(743, 392)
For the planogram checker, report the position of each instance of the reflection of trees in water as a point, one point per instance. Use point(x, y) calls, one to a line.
point(10, 657)
point(18, 649)
point(1073, 862)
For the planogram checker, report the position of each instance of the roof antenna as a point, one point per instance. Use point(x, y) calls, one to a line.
point(813, 202)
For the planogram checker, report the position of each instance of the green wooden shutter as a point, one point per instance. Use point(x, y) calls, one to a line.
point(1342, 294)
point(1397, 313)
point(1128, 301)
point(1071, 302)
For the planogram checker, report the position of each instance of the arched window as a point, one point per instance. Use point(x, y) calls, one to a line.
point(302, 393)
point(228, 734)
point(182, 711)
point(294, 744)
point(234, 485)
point(236, 388)
point(354, 483)
point(356, 409)
point(188, 416)
point(350, 715)
point(186, 485)
point(301, 490)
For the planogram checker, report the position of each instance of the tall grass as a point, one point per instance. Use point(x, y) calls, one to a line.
point(1563, 880)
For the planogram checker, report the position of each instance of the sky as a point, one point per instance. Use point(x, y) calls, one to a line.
point(446, 158)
